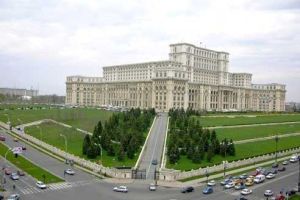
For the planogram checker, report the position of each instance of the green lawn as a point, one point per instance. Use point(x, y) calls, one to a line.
point(29, 167)
point(84, 118)
point(250, 119)
point(51, 135)
point(242, 151)
point(243, 133)
point(295, 197)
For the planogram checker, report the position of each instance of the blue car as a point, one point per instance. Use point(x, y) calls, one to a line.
point(208, 190)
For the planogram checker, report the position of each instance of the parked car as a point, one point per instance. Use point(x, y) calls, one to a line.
point(152, 187)
point(241, 198)
point(2, 138)
point(187, 189)
point(229, 185)
point(208, 190)
point(274, 171)
point(24, 148)
point(281, 169)
point(225, 181)
point(268, 193)
point(249, 181)
point(291, 192)
point(294, 159)
point(14, 197)
point(14, 176)
point(239, 187)
point(270, 175)
point(243, 176)
point(285, 162)
point(121, 188)
point(20, 173)
point(275, 165)
point(16, 140)
point(69, 172)
point(41, 185)
point(211, 183)
point(7, 171)
point(246, 191)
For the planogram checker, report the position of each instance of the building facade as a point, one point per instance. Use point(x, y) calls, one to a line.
point(193, 77)
point(19, 92)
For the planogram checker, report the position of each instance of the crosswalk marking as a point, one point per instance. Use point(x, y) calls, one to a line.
point(54, 186)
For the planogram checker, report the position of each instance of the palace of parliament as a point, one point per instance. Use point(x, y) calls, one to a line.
point(193, 77)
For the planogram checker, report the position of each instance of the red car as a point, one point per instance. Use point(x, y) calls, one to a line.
point(2, 138)
point(7, 171)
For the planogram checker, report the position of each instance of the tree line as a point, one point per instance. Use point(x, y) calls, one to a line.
point(121, 135)
point(187, 137)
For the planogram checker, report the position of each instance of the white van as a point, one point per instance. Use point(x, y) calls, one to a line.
point(259, 178)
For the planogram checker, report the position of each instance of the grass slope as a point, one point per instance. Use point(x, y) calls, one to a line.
point(84, 118)
point(240, 120)
point(242, 151)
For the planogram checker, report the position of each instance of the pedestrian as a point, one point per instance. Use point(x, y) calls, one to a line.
point(14, 186)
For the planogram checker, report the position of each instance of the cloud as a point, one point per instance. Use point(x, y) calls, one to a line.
point(78, 37)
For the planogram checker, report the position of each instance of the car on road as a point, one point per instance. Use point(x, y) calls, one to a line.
point(241, 198)
point(20, 173)
point(239, 187)
point(285, 162)
point(270, 175)
point(294, 159)
point(2, 138)
point(14, 176)
point(152, 187)
point(268, 193)
point(41, 185)
point(187, 189)
point(14, 197)
point(208, 190)
point(211, 183)
point(229, 185)
point(246, 191)
point(249, 181)
point(274, 171)
point(16, 140)
point(7, 171)
point(69, 172)
point(24, 148)
point(281, 169)
point(121, 188)
point(154, 162)
point(275, 165)
point(243, 176)
point(259, 178)
point(225, 181)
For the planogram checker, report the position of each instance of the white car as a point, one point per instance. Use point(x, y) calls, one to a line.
point(294, 159)
point(268, 193)
point(246, 191)
point(152, 187)
point(285, 162)
point(211, 183)
point(121, 189)
point(229, 185)
point(69, 171)
point(41, 185)
point(271, 175)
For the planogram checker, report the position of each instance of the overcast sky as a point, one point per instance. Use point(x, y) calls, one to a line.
point(42, 42)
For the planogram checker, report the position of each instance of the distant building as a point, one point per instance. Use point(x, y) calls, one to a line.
point(193, 77)
point(18, 92)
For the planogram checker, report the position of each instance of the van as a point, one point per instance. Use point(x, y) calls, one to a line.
point(259, 178)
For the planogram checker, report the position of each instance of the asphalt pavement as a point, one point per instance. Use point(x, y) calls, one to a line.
point(154, 146)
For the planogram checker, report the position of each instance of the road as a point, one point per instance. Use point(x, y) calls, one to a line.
point(85, 186)
point(154, 146)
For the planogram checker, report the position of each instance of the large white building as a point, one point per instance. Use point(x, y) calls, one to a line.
point(193, 77)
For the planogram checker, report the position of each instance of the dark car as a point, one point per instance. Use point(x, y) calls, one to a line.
point(187, 189)
point(154, 162)
point(275, 165)
point(2, 138)
point(241, 198)
point(20, 173)
point(208, 190)
point(274, 171)
point(291, 192)
point(24, 148)
point(281, 169)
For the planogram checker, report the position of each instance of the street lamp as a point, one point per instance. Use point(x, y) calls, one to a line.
point(299, 174)
point(276, 141)
point(40, 132)
point(20, 124)
point(224, 162)
point(99, 145)
point(207, 175)
point(66, 145)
